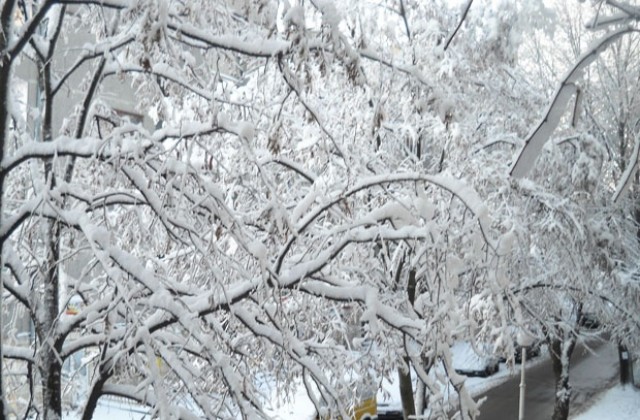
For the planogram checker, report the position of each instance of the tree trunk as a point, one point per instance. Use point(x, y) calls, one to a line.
point(404, 377)
point(422, 394)
point(5, 20)
point(49, 362)
point(4, 89)
point(52, 384)
point(560, 352)
point(406, 390)
point(95, 394)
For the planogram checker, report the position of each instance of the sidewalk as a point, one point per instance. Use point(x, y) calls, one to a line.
point(592, 371)
point(593, 376)
point(619, 402)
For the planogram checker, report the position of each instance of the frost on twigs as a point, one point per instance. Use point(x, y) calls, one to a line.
point(552, 116)
point(253, 243)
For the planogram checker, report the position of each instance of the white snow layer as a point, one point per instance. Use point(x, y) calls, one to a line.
point(620, 403)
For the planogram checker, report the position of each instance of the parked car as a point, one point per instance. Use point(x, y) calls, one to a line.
point(472, 360)
point(520, 338)
point(389, 398)
point(365, 409)
point(589, 321)
point(531, 351)
point(390, 411)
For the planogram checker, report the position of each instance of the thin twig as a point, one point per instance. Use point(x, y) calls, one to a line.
point(403, 13)
point(294, 88)
point(464, 16)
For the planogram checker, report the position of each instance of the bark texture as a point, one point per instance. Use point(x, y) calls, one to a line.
point(404, 377)
point(5, 19)
point(561, 351)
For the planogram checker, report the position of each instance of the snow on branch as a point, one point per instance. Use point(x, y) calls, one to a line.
point(10, 224)
point(256, 48)
point(162, 71)
point(98, 50)
point(292, 165)
point(409, 70)
point(626, 179)
point(18, 353)
point(605, 22)
point(133, 393)
point(545, 128)
point(186, 253)
point(363, 294)
point(62, 146)
point(95, 148)
point(630, 10)
point(462, 191)
point(27, 31)
point(19, 287)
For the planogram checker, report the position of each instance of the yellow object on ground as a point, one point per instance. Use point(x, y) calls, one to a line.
point(366, 410)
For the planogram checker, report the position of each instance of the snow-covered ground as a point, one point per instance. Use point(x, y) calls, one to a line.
point(108, 409)
point(620, 403)
point(299, 407)
point(478, 386)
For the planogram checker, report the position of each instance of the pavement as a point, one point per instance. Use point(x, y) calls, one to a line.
point(594, 368)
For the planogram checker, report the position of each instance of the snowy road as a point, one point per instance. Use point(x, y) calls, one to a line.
point(590, 374)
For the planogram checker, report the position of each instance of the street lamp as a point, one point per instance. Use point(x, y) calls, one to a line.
point(524, 340)
point(522, 384)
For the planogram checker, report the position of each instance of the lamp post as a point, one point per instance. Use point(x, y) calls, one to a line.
point(522, 383)
point(524, 340)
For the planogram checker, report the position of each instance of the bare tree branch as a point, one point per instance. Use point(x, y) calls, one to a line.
point(465, 11)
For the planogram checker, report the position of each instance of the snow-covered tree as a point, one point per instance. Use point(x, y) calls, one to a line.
point(284, 176)
point(574, 158)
